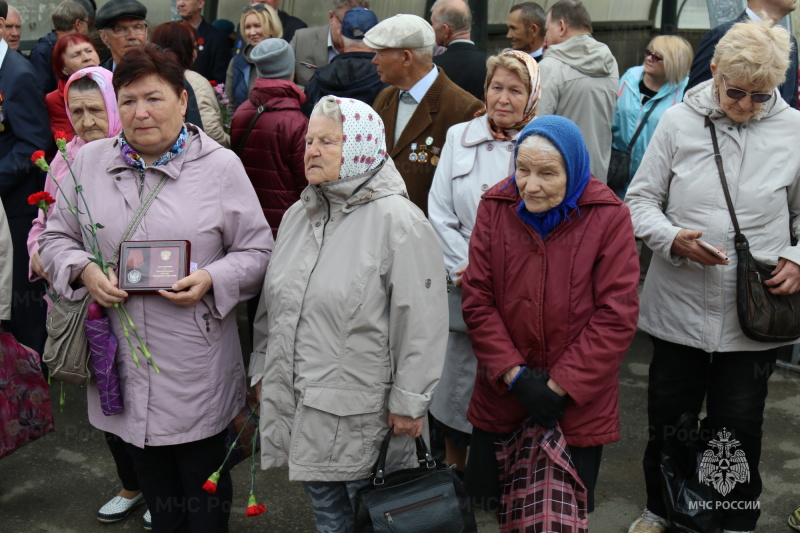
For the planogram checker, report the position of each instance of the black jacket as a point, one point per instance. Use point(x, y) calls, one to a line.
point(41, 58)
point(351, 75)
point(701, 66)
point(465, 65)
point(212, 61)
point(290, 25)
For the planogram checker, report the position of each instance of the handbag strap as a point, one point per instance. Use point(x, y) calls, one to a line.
point(261, 109)
point(740, 241)
point(641, 125)
point(138, 216)
point(423, 456)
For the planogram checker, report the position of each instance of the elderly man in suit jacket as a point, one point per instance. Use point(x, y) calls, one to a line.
point(463, 62)
point(421, 104)
point(774, 9)
point(24, 129)
point(316, 46)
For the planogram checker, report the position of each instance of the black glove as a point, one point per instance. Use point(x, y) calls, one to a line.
point(543, 404)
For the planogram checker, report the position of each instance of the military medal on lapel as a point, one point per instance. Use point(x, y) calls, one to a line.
point(422, 156)
point(435, 157)
point(413, 155)
point(200, 43)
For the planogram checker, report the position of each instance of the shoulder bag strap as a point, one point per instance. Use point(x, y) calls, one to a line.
point(243, 142)
point(641, 125)
point(718, 159)
point(138, 216)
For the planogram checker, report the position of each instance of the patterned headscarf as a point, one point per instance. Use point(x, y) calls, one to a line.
point(102, 78)
point(535, 82)
point(363, 137)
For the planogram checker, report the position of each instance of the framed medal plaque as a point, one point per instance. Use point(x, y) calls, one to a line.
point(150, 266)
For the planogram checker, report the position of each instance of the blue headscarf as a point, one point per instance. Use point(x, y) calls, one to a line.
point(566, 136)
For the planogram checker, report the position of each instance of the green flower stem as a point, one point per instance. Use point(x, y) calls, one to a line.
point(79, 189)
point(62, 399)
point(253, 463)
point(142, 346)
point(127, 334)
point(236, 440)
point(74, 211)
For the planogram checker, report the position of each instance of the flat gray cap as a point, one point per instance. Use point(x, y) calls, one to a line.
point(401, 31)
point(117, 9)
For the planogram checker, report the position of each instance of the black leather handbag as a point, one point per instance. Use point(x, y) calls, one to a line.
point(763, 316)
point(426, 499)
point(619, 166)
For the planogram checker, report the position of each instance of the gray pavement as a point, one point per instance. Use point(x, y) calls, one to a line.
point(57, 484)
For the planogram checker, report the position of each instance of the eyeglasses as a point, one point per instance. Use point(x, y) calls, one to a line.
point(254, 7)
point(137, 29)
point(738, 94)
point(655, 56)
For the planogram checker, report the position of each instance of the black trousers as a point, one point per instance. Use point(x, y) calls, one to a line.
point(123, 461)
point(171, 479)
point(482, 480)
point(28, 307)
point(734, 385)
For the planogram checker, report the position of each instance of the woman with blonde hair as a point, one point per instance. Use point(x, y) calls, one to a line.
point(258, 22)
point(689, 301)
point(476, 155)
point(645, 92)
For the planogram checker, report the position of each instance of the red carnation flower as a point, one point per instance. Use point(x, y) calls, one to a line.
point(60, 135)
point(210, 485)
point(37, 155)
point(213, 83)
point(253, 508)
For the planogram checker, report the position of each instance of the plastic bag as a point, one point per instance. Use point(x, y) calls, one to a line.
point(691, 504)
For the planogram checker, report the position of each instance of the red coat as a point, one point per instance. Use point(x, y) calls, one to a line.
point(57, 110)
point(273, 155)
point(568, 304)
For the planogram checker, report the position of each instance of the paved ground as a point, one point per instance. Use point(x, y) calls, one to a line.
point(57, 484)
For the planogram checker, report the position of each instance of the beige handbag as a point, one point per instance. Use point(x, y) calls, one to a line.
point(66, 351)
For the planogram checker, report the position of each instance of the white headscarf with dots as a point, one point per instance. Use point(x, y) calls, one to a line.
point(363, 137)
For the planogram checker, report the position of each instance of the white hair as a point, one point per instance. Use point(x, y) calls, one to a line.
point(327, 106)
point(539, 143)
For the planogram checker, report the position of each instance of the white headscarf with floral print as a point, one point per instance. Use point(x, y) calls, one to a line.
point(363, 137)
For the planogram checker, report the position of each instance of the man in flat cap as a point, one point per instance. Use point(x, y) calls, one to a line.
point(421, 104)
point(122, 27)
point(317, 46)
point(24, 129)
point(350, 74)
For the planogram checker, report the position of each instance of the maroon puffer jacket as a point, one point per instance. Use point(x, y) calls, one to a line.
point(567, 304)
point(273, 155)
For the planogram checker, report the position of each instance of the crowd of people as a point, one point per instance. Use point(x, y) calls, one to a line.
point(347, 183)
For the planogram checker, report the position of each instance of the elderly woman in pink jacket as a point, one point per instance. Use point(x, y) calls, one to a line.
point(173, 421)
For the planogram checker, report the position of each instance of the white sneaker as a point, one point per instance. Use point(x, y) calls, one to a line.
point(118, 508)
point(147, 521)
point(649, 523)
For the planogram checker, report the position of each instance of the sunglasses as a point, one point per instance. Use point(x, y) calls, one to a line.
point(254, 7)
point(656, 57)
point(738, 94)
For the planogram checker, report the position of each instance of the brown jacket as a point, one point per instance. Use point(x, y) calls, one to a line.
point(444, 105)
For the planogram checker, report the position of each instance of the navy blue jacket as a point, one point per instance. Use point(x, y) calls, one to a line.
point(41, 58)
point(212, 61)
point(26, 128)
point(465, 65)
point(701, 66)
point(351, 75)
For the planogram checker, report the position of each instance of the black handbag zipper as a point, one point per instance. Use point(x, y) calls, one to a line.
point(412, 507)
